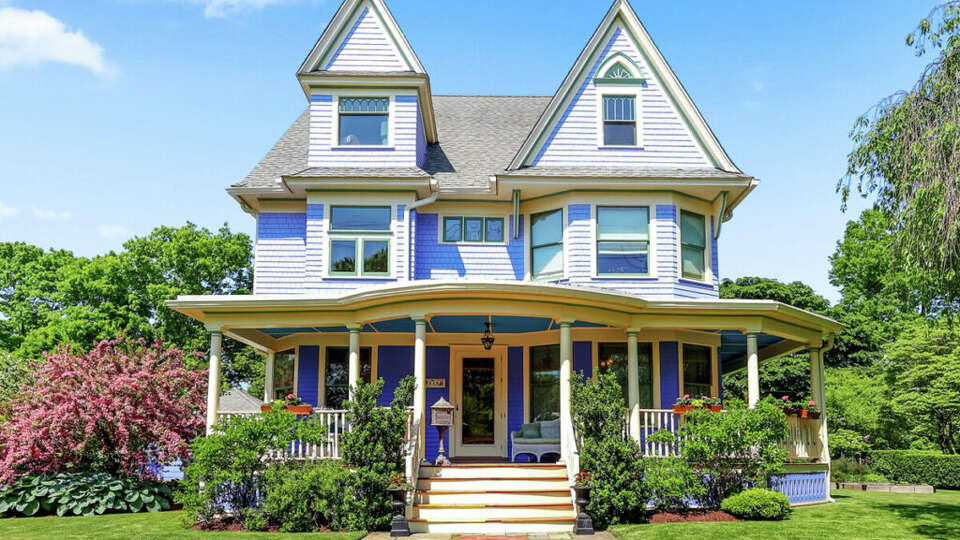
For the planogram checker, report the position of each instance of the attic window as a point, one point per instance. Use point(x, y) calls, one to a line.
point(618, 72)
point(620, 120)
point(364, 121)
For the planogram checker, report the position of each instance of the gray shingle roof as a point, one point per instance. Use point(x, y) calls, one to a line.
point(236, 400)
point(479, 135)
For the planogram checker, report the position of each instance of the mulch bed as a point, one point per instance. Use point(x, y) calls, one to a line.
point(231, 524)
point(692, 515)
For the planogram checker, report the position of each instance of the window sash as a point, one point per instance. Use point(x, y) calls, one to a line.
point(358, 263)
point(368, 256)
point(544, 382)
point(340, 261)
point(693, 243)
point(619, 108)
point(473, 229)
point(623, 240)
point(450, 235)
point(484, 229)
point(360, 218)
point(497, 233)
point(283, 370)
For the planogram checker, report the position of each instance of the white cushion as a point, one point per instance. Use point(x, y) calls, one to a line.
point(550, 430)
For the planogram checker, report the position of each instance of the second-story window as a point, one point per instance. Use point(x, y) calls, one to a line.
point(546, 244)
point(623, 240)
point(472, 229)
point(364, 121)
point(693, 243)
point(619, 120)
point(360, 240)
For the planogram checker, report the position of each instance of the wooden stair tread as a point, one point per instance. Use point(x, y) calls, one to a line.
point(494, 479)
point(496, 465)
point(557, 519)
point(466, 506)
point(495, 491)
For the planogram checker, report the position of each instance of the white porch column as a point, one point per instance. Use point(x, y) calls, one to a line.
point(213, 380)
point(420, 374)
point(753, 370)
point(353, 373)
point(268, 377)
point(818, 394)
point(633, 385)
point(566, 368)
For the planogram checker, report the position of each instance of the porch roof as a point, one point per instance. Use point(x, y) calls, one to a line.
point(457, 306)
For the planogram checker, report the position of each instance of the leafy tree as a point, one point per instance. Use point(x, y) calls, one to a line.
point(28, 287)
point(375, 440)
point(107, 410)
point(907, 157)
point(796, 294)
point(924, 376)
point(859, 411)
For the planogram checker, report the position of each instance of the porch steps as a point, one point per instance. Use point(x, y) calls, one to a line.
point(493, 498)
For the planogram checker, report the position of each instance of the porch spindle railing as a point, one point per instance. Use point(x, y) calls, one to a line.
point(329, 448)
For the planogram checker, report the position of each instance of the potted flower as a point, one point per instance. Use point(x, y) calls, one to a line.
point(712, 403)
point(810, 410)
point(398, 492)
point(683, 404)
point(789, 407)
point(292, 403)
point(581, 488)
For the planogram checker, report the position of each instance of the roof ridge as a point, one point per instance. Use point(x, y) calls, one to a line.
point(490, 95)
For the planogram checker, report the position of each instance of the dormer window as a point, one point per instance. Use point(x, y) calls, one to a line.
point(619, 120)
point(364, 121)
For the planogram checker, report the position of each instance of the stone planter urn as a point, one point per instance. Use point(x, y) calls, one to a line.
point(399, 526)
point(584, 523)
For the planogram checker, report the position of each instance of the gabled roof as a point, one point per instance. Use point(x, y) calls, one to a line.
point(621, 14)
point(236, 400)
point(344, 22)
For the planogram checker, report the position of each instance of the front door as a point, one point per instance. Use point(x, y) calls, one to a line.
point(479, 395)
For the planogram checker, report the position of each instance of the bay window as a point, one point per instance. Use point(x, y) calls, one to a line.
point(546, 244)
point(623, 240)
point(693, 243)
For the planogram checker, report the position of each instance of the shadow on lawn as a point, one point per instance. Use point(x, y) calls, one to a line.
point(940, 520)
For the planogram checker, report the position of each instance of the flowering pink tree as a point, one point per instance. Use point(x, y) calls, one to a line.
point(107, 410)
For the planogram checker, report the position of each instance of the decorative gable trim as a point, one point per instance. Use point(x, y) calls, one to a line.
point(342, 23)
point(622, 14)
point(619, 68)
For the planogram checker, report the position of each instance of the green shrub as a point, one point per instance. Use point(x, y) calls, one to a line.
point(673, 483)
point(738, 448)
point(757, 503)
point(255, 519)
point(613, 460)
point(86, 493)
point(917, 467)
point(227, 465)
point(304, 497)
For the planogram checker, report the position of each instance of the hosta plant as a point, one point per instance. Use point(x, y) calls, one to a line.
point(86, 494)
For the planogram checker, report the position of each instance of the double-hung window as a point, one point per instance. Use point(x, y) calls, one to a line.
point(472, 229)
point(696, 370)
point(360, 240)
point(619, 120)
point(623, 240)
point(364, 121)
point(693, 243)
point(546, 244)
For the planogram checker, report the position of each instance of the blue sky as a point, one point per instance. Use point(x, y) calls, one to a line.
point(120, 115)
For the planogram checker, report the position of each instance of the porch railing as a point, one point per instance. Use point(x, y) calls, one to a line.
point(803, 441)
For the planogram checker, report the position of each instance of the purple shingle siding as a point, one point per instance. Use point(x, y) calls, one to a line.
point(402, 153)
point(436, 260)
point(714, 251)
point(279, 259)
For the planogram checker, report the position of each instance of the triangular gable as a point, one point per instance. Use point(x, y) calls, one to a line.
point(621, 33)
point(362, 36)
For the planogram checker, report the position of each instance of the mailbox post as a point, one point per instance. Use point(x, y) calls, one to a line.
point(441, 415)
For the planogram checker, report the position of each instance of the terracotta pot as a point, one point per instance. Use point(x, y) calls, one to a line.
point(681, 409)
point(716, 408)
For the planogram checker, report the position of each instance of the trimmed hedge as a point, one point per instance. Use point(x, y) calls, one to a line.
point(757, 504)
point(917, 467)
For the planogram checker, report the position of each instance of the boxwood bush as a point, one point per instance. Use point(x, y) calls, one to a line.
point(917, 467)
point(757, 504)
point(86, 493)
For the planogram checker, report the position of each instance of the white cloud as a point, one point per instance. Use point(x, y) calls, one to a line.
point(34, 37)
point(6, 211)
point(222, 8)
point(112, 232)
point(43, 213)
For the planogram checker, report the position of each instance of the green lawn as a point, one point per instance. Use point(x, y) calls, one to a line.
point(856, 514)
point(165, 525)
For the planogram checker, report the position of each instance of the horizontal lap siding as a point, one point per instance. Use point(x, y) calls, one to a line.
point(669, 373)
point(367, 47)
point(316, 245)
point(279, 260)
point(666, 140)
point(308, 374)
point(578, 243)
point(714, 251)
point(514, 392)
point(403, 153)
point(436, 260)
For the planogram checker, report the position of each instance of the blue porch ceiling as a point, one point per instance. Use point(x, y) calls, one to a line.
point(733, 348)
point(443, 324)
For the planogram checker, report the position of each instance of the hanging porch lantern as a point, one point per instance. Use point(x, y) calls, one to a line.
point(487, 339)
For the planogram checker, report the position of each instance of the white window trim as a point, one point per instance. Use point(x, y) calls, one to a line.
point(714, 374)
point(635, 90)
point(708, 277)
point(335, 120)
point(651, 206)
point(390, 236)
point(483, 215)
point(528, 244)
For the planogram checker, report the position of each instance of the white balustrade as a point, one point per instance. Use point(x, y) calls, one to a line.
point(328, 448)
